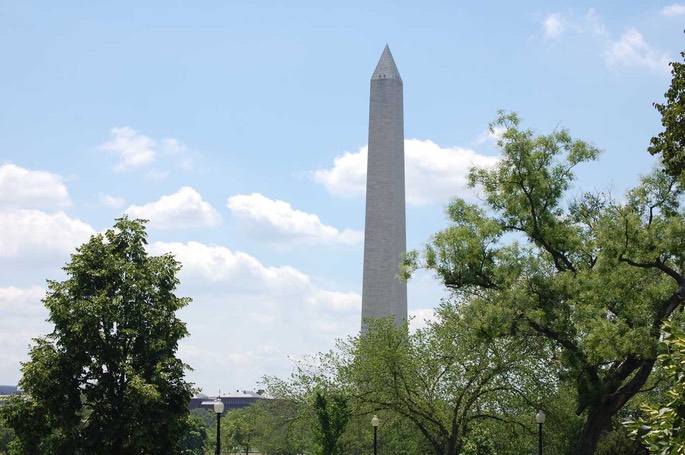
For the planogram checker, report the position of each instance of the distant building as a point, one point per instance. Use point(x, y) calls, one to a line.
point(6, 391)
point(234, 400)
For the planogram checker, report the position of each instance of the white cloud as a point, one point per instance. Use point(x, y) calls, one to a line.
point(36, 233)
point(111, 201)
point(420, 318)
point(244, 274)
point(183, 209)
point(432, 173)
point(674, 9)
point(337, 301)
point(278, 222)
point(22, 319)
point(490, 135)
point(18, 301)
point(240, 303)
point(136, 150)
point(631, 50)
point(24, 188)
point(178, 150)
point(553, 26)
point(348, 175)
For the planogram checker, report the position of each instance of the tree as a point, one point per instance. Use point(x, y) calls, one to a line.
point(333, 414)
point(444, 379)
point(6, 437)
point(313, 402)
point(195, 441)
point(593, 277)
point(279, 429)
point(662, 427)
point(670, 143)
point(107, 380)
point(238, 429)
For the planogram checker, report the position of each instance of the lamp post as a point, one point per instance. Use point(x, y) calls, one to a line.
point(374, 422)
point(540, 417)
point(218, 408)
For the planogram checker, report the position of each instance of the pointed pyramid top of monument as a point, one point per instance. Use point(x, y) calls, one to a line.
point(386, 68)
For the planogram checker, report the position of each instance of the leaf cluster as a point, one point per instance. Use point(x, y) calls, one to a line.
point(107, 379)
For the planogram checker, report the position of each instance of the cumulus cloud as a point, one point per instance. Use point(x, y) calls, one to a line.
point(23, 318)
point(183, 209)
point(244, 273)
point(136, 150)
point(674, 9)
point(111, 201)
point(553, 26)
point(18, 301)
point(33, 232)
point(432, 173)
point(278, 222)
point(420, 318)
point(491, 135)
point(24, 188)
point(240, 303)
point(347, 177)
point(631, 50)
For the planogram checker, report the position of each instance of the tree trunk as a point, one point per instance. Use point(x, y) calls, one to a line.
point(598, 419)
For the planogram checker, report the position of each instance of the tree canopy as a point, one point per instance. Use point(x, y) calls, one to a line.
point(107, 380)
point(593, 276)
point(670, 143)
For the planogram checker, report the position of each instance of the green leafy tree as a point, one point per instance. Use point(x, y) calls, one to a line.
point(662, 428)
point(670, 143)
point(238, 429)
point(195, 441)
point(333, 414)
point(279, 428)
point(107, 379)
point(316, 405)
point(444, 379)
point(593, 277)
point(6, 437)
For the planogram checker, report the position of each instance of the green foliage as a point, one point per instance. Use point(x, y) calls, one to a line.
point(619, 442)
point(106, 380)
point(670, 143)
point(6, 437)
point(281, 429)
point(333, 414)
point(446, 379)
point(662, 427)
point(238, 429)
point(314, 406)
point(591, 278)
point(195, 441)
point(447, 388)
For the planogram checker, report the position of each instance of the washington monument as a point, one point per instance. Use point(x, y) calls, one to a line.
point(385, 241)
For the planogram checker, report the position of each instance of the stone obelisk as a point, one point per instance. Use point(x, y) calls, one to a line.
point(383, 294)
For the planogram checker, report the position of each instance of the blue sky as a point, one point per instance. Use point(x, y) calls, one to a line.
point(239, 130)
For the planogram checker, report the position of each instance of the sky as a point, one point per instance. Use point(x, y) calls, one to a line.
point(239, 130)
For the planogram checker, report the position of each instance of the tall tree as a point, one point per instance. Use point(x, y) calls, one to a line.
point(670, 143)
point(594, 277)
point(444, 380)
point(107, 379)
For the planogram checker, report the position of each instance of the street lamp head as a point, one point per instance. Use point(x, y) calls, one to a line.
point(218, 406)
point(374, 421)
point(540, 417)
